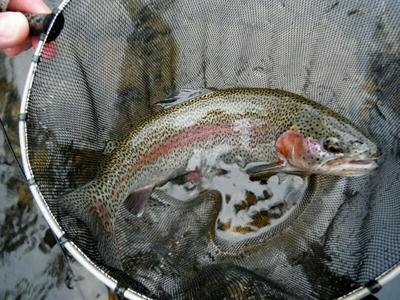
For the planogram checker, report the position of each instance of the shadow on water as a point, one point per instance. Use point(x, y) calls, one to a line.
point(148, 68)
point(31, 264)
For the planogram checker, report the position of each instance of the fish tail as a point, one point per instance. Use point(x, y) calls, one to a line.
point(75, 204)
point(80, 204)
point(85, 205)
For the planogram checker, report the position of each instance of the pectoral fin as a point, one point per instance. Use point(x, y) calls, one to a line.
point(262, 170)
point(257, 171)
point(137, 200)
point(259, 168)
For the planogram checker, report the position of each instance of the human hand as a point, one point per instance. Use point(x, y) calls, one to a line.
point(14, 28)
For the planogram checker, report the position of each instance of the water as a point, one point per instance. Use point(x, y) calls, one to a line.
point(249, 208)
point(31, 264)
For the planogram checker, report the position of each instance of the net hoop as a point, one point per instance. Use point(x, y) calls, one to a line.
point(70, 246)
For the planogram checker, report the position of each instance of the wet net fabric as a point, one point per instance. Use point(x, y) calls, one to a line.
point(115, 59)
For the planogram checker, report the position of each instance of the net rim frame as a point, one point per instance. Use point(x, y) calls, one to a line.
point(359, 293)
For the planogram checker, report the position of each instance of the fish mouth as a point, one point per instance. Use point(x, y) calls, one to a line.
point(362, 161)
point(349, 166)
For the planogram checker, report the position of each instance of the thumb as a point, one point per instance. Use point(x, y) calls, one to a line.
point(14, 29)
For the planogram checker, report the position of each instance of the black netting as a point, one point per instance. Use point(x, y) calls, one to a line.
point(115, 59)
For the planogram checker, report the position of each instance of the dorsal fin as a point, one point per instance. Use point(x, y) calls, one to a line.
point(180, 96)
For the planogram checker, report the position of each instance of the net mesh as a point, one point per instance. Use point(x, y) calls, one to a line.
point(115, 59)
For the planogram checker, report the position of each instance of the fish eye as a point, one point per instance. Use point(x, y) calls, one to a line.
point(332, 145)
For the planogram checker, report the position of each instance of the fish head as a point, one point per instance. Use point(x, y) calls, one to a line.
point(328, 145)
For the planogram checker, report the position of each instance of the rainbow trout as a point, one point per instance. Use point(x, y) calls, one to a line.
point(264, 131)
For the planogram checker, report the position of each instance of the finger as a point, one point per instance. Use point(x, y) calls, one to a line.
point(13, 51)
point(14, 29)
point(35, 41)
point(32, 6)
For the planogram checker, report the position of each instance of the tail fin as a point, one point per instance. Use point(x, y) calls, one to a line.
point(78, 205)
point(85, 205)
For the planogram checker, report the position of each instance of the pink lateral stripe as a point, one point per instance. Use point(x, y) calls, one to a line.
point(182, 139)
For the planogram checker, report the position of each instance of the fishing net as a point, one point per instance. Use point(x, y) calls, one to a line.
point(115, 59)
